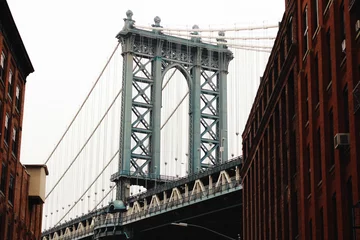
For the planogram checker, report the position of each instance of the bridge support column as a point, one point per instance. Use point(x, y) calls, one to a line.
point(156, 111)
point(126, 128)
point(195, 143)
point(224, 62)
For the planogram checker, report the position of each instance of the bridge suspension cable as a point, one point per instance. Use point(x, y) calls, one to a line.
point(86, 142)
point(220, 37)
point(173, 112)
point(232, 29)
point(87, 189)
point(82, 105)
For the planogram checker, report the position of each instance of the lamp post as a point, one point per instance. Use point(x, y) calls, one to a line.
point(201, 227)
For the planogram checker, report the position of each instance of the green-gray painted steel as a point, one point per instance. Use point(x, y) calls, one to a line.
point(148, 55)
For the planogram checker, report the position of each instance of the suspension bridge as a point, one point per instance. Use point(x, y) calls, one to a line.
point(157, 139)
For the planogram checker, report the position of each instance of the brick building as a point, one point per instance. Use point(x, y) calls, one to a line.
point(20, 199)
point(301, 144)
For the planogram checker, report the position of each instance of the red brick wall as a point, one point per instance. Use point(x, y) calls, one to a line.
point(295, 182)
point(23, 217)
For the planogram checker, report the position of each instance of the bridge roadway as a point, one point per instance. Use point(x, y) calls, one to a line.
point(210, 199)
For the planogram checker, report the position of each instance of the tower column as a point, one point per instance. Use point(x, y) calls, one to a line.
point(194, 161)
point(123, 185)
point(156, 110)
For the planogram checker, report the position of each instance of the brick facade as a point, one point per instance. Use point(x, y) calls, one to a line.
point(20, 218)
point(297, 183)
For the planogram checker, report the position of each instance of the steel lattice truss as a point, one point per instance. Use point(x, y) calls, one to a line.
point(141, 120)
point(210, 137)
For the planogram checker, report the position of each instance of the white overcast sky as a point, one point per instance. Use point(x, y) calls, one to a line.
point(69, 41)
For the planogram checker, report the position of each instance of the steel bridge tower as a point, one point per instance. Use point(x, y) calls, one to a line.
point(147, 56)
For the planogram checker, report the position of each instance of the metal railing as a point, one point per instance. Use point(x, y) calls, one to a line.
point(149, 176)
point(168, 205)
point(181, 181)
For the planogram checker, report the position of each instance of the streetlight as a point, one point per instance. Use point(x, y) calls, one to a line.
point(201, 227)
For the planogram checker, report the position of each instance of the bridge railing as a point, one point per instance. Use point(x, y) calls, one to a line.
point(149, 176)
point(168, 205)
point(181, 181)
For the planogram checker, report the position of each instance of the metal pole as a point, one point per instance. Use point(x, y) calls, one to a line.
point(201, 227)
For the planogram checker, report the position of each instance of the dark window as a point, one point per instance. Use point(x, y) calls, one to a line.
point(293, 164)
point(14, 141)
point(346, 110)
point(11, 188)
point(316, 74)
point(322, 224)
point(307, 166)
point(295, 217)
point(282, 52)
point(342, 21)
point(306, 99)
point(289, 33)
point(315, 15)
point(10, 83)
point(331, 139)
point(318, 148)
point(350, 207)
point(328, 57)
point(3, 177)
point(7, 129)
point(276, 71)
point(2, 66)
point(342, 29)
point(334, 216)
point(18, 98)
point(291, 95)
point(1, 110)
point(9, 231)
point(305, 31)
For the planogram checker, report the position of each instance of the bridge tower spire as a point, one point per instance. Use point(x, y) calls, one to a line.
point(147, 56)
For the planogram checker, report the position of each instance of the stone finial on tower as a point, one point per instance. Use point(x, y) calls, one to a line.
point(129, 22)
point(157, 21)
point(221, 40)
point(195, 33)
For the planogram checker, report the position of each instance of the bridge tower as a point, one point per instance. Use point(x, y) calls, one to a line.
point(147, 56)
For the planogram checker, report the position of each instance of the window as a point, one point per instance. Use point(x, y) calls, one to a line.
point(316, 74)
point(322, 224)
point(10, 86)
point(349, 191)
point(342, 29)
point(306, 100)
point(334, 216)
point(315, 15)
point(346, 110)
point(11, 188)
point(1, 110)
point(18, 98)
point(9, 231)
point(319, 155)
point(7, 129)
point(291, 95)
point(294, 216)
point(331, 139)
point(308, 167)
point(3, 178)
point(14, 141)
point(305, 31)
point(2, 66)
point(328, 56)
point(342, 21)
point(289, 33)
